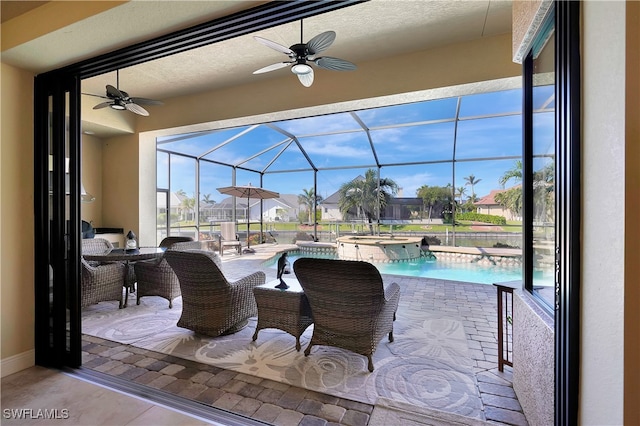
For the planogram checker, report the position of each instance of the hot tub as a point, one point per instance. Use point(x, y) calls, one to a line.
point(383, 249)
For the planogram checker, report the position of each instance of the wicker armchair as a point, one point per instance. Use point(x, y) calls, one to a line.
point(101, 283)
point(100, 245)
point(212, 305)
point(156, 278)
point(351, 307)
point(95, 245)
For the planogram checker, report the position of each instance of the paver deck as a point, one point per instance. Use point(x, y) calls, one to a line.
point(281, 404)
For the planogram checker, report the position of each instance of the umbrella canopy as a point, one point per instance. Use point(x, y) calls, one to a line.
point(248, 191)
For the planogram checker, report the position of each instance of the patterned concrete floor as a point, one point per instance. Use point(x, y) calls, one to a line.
point(281, 404)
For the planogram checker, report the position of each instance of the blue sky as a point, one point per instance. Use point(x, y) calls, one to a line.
point(421, 132)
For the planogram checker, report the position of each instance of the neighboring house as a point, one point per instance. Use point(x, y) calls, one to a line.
point(489, 205)
point(285, 209)
point(399, 208)
point(175, 203)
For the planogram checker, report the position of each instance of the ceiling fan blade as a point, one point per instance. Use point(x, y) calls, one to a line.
point(112, 92)
point(97, 96)
point(274, 45)
point(272, 67)
point(321, 42)
point(145, 101)
point(335, 64)
point(130, 106)
point(102, 105)
point(306, 79)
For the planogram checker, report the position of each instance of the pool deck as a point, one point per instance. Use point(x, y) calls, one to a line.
point(482, 251)
point(474, 304)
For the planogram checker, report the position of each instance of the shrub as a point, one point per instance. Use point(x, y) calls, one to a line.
point(485, 218)
point(504, 245)
point(430, 240)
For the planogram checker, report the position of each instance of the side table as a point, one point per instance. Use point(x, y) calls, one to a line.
point(287, 310)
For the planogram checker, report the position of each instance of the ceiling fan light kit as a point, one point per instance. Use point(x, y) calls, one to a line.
point(120, 100)
point(301, 55)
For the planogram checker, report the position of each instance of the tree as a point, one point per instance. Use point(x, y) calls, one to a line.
point(472, 182)
point(364, 196)
point(511, 199)
point(432, 195)
point(514, 173)
point(309, 199)
point(188, 204)
point(460, 192)
point(206, 198)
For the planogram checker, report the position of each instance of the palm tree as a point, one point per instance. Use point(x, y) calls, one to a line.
point(363, 195)
point(461, 191)
point(309, 199)
point(188, 203)
point(514, 173)
point(206, 198)
point(511, 199)
point(472, 181)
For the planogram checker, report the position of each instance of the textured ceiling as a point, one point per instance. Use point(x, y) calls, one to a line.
point(365, 32)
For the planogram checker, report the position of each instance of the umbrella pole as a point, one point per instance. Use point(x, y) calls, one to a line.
point(248, 249)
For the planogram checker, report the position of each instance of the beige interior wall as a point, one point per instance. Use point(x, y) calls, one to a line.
point(16, 212)
point(92, 179)
point(120, 170)
point(632, 219)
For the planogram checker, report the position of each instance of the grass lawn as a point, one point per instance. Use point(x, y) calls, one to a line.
point(462, 226)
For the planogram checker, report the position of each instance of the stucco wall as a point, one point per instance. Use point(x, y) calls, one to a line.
point(603, 275)
point(16, 219)
point(533, 360)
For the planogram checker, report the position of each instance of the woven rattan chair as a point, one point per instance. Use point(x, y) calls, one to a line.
point(351, 307)
point(212, 305)
point(156, 278)
point(95, 245)
point(100, 245)
point(229, 238)
point(101, 283)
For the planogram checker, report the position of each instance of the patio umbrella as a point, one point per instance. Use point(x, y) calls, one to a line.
point(248, 192)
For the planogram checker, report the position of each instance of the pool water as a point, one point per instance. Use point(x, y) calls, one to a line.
point(467, 272)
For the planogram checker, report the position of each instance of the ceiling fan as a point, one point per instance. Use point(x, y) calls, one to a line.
point(303, 54)
point(120, 100)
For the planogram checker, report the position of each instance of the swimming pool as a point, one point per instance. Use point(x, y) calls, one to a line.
point(467, 272)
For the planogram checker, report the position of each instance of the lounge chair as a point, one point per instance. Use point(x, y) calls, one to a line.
point(211, 305)
point(229, 237)
point(351, 307)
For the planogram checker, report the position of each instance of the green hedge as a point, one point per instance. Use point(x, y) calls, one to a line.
point(478, 217)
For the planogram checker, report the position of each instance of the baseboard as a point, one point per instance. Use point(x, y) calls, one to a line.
point(18, 362)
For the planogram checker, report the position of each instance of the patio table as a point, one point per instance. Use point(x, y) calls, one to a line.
point(285, 309)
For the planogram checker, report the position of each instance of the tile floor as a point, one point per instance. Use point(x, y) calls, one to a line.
point(42, 396)
point(257, 398)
